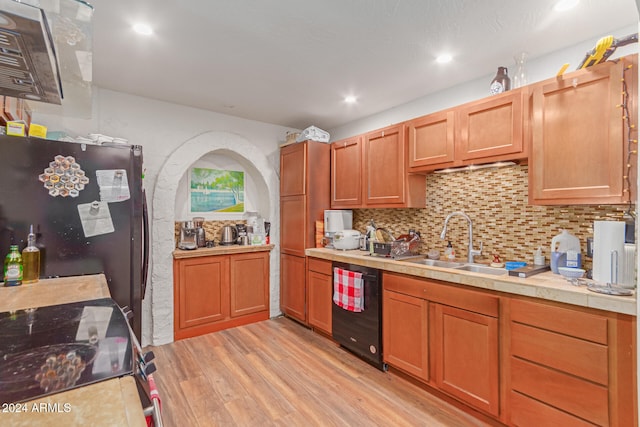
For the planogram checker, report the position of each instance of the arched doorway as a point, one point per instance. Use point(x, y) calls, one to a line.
point(163, 220)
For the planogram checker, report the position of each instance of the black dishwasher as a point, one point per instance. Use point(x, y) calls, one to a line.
point(361, 332)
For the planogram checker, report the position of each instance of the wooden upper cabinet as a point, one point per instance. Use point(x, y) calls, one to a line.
point(304, 193)
point(578, 136)
point(491, 127)
point(371, 171)
point(293, 161)
point(431, 140)
point(346, 172)
point(384, 166)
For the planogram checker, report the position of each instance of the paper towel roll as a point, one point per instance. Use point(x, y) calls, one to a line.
point(608, 240)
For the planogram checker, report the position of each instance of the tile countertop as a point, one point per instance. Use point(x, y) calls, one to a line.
point(546, 285)
point(220, 250)
point(45, 292)
point(113, 402)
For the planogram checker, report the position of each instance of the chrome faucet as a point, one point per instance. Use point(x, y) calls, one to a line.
point(472, 252)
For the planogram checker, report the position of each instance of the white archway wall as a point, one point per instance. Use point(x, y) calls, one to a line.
point(163, 219)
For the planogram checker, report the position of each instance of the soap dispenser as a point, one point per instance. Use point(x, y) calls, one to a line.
point(449, 253)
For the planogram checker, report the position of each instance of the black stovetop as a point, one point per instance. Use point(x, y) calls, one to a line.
point(51, 349)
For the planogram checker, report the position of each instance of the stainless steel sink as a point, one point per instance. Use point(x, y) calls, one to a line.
point(482, 269)
point(436, 263)
point(474, 268)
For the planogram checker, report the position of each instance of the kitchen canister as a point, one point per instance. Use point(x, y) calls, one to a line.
point(565, 251)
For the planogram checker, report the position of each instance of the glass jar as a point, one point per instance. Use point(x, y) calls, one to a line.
point(520, 76)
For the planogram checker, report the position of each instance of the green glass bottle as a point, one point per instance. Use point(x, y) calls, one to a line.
point(13, 267)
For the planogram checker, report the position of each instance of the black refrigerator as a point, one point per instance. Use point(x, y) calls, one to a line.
point(87, 206)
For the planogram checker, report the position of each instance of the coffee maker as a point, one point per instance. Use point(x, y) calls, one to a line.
point(198, 223)
point(243, 238)
point(188, 236)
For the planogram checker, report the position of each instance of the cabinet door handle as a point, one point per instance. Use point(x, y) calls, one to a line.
point(349, 143)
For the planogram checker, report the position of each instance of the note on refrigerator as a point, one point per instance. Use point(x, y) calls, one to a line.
point(95, 218)
point(113, 184)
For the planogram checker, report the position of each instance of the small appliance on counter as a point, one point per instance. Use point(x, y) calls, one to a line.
point(346, 239)
point(198, 223)
point(188, 236)
point(613, 259)
point(336, 220)
point(243, 238)
point(565, 251)
point(228, 235)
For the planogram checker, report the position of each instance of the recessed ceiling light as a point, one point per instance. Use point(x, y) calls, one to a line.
point(444, 58)
point(143, 29)
point(563, 5)
point(350, 99)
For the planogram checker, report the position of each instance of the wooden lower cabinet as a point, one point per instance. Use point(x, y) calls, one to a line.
point(465, 352)
point(201, 289)
point(293, 287)
point(249, 289)
point(216, 292)
point(571, 366)
point(521, 361)
point(320, 287)
point(405, 333)
point(444, 335)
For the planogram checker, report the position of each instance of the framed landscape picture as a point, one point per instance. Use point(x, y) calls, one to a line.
point(215, 190)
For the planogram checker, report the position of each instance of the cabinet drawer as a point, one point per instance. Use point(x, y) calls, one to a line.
point(465, 299)
point(404, 285)
point(567, 354)
point(526, 412)
point(442, 293)
point(579, 397)
point(321, 266)
point(574, 323)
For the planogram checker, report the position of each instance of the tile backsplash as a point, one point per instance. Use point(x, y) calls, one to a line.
point(496, 201)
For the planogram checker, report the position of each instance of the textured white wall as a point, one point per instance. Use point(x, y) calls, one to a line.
point(537, 69)
point(162, 129)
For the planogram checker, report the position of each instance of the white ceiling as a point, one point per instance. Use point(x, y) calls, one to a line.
point(291, 62)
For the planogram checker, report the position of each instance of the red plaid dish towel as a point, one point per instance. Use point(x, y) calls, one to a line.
point(348, 289)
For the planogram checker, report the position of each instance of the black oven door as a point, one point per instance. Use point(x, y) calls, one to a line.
point(361, 332)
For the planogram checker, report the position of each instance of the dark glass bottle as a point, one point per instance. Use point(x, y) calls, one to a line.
point(501, 82)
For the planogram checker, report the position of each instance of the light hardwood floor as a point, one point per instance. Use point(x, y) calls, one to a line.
point(278, 373)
